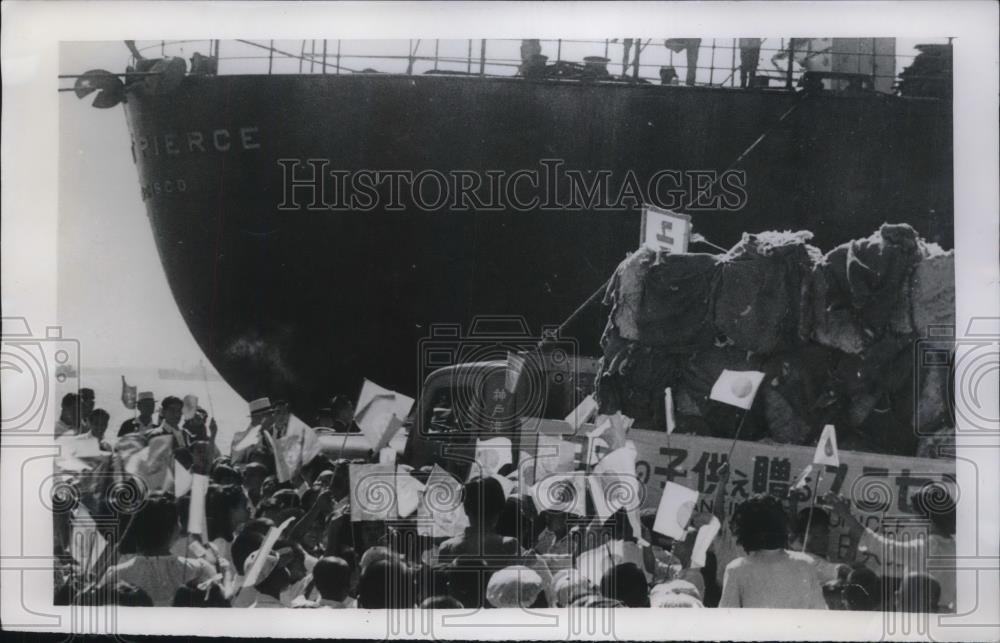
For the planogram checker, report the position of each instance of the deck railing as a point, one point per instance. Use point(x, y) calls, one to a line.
point(781, 62)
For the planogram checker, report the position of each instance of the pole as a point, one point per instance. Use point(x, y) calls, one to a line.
point(732, 65)
point(324, 56)
point(736, 436)
point(812, 506)
point(791, 60)
point(468, 59)
point(270, 57)
point(482, 57)
point(338, 56)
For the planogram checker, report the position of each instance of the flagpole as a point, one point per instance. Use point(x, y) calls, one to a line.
point(812, 506)
point(736, 437)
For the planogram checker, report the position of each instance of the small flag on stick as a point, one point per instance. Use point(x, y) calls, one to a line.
point(129, 394)
point(826, 450)
point(190, 407)
point(515, 364)
point(582, 413)
point(737, 388)
point(668, 407)
point(803, 478)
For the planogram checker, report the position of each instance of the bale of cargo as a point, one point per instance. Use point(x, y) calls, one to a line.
point(835, 335)
point(624, 292)
point(675, 311)
point(932, 290)
point(796, 393)
point(759, 299)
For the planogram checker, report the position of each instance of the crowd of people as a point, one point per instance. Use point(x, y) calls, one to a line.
point(293, 544)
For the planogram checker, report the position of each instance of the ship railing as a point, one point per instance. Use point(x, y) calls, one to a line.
point(782, 62)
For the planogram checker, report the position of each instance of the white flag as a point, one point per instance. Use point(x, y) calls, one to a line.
point(515, 364)
point(803, 478)
point(491, 456)
point(190, 408)
point(380, 413)
point(582, 413)
point(614, 485)
point(676, 506)
point(409, 490)
point(737, 388)
point(196, 523)
point(826, 450)
point(668, 407)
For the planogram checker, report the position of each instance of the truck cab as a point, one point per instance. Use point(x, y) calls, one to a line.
point(463, 403)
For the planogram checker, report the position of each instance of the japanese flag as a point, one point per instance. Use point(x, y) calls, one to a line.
point(737, 388)
point(826, 450)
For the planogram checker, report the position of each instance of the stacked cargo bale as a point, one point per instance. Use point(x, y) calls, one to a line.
point(834, 334)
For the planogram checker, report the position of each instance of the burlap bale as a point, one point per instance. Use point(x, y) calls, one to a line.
point(795, 383)
point(834, 323)
point(624, 293)
point(676, 302)
point(932, 290)
point(878, 274)
point(757, 304)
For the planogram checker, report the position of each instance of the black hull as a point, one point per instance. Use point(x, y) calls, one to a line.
point(304, 303)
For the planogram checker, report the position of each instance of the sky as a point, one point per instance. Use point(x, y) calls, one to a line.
point(112, 292)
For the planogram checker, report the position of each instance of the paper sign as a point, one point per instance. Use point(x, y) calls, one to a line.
point(196, 508)
point(564, 492)
point(737, 388)
point(381, 413)
point(281, 465)
point(676, 506)
point(706, 534)
point(491, 456)
point(826, 450)
point(154, 463)
point(440, 513)
point(369, 391)
point(665, 230)
point(408, 492)
point(582, 413)
point(250, 438)
point(373, 492)
point(253, 574)
point(387, 455)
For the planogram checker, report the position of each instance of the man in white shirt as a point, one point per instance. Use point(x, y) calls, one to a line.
point(769, 575)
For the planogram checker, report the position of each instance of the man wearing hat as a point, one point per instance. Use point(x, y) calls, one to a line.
point(144, 422)
point(246, 441)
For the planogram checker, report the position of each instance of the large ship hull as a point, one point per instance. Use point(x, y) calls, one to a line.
point(303, 302)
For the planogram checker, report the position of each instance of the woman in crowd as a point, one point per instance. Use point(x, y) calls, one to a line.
point(769, 575)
